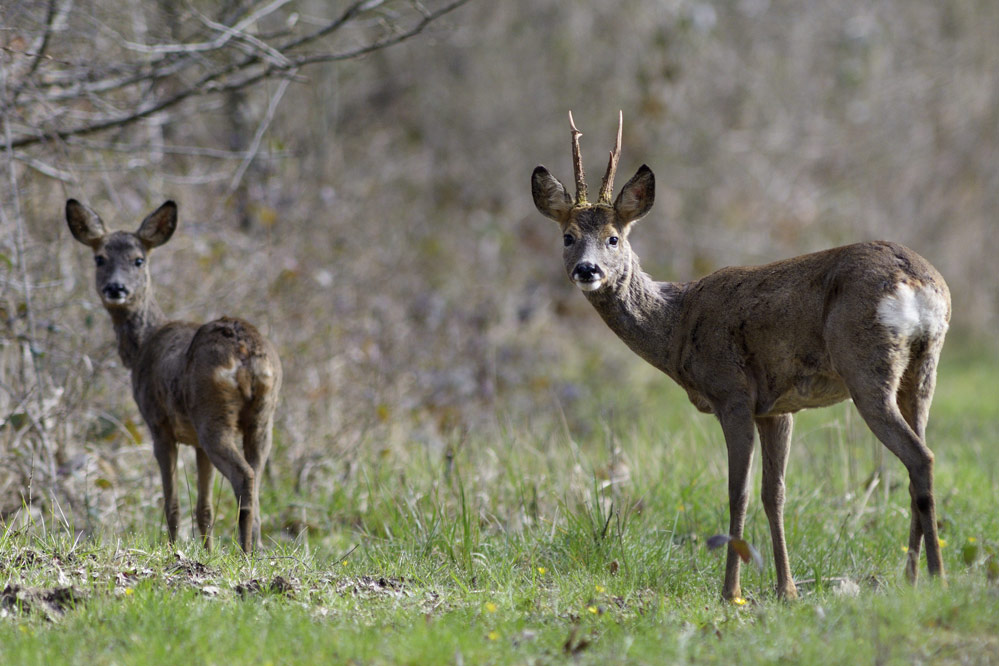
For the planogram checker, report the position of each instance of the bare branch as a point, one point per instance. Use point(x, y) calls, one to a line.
point(380, 44)
point(227, 34)
point(38, 49)
point(194, 151)
point(269, 53)
point(258, 137)
point(263, 61)
point(47, 169)
point(352, 10)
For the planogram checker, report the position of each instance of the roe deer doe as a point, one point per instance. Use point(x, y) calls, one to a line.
point(752, 345)
point(214, 386)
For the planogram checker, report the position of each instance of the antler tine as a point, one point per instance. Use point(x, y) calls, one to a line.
point(607, 186)
point(577, 163)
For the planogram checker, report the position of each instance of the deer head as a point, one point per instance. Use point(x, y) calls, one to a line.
point(595, 235)
point(122, 275)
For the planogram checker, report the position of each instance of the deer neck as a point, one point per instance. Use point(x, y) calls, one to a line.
point(133, 326)
point(642, 312)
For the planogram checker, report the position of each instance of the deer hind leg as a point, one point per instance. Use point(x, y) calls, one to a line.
point(775, 441)
point(257, 448)
point(204, 512)
point(219, 442)
point(915, 393)
point(889, 398)
point(165, 450)
point(737, 425)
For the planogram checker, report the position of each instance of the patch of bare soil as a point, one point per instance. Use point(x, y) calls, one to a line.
point(369, 586)
point(278, 585)
point(188, 571)
point(51, 602)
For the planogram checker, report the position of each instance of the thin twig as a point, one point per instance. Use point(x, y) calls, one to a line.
point(238, 31)
point(46, 169)
point(195, 151)
point(380, 44)
point(227, 34)
point(258, 137)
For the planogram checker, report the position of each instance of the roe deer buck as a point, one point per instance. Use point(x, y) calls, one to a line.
point(213, 386)
point(753, 345)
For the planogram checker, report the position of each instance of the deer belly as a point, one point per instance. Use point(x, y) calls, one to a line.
point(818, 390)
point(184, 431)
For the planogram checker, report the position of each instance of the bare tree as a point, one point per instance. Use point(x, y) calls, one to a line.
point(84, 80)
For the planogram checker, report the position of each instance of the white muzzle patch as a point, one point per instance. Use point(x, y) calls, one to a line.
point(591, 285)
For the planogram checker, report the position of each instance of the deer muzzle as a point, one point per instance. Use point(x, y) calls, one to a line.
point(587, 276)
point(114, 292)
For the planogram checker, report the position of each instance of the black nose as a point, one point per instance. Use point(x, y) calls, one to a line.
point(586, 272)
point(115, 291)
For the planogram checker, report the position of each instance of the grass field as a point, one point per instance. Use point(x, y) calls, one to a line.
point(581, 537)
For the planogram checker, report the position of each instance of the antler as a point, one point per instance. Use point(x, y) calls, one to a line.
point(577, 163)
point(607, 186)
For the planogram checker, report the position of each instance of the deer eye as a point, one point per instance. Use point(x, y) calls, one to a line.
point(568, 240)
point(99, 260)
point(612, 241)
point(139, 261)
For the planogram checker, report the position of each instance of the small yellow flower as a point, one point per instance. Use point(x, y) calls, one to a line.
point(129, 591)
point(493, 635)
point(680, 508)
point(972, 539)
point(905, 549)
point(738, 601)
point(490, 607)
point(942, 542)
point(592, 609)
point(600, 589)
point(541, 570)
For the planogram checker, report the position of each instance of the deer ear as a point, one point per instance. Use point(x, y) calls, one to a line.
point(549, 195)
point(158, 226)
point(637, 196)
point(85, 224)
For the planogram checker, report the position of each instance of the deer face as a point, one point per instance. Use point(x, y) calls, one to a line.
point(595, 236)
point(122, 276)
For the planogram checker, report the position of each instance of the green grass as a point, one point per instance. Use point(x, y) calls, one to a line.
point(580, 538)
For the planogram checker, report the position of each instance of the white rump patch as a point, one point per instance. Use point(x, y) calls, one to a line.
point(227, 374)
point(911, 312)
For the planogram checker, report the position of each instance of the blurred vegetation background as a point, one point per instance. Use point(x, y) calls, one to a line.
point(364, 199)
